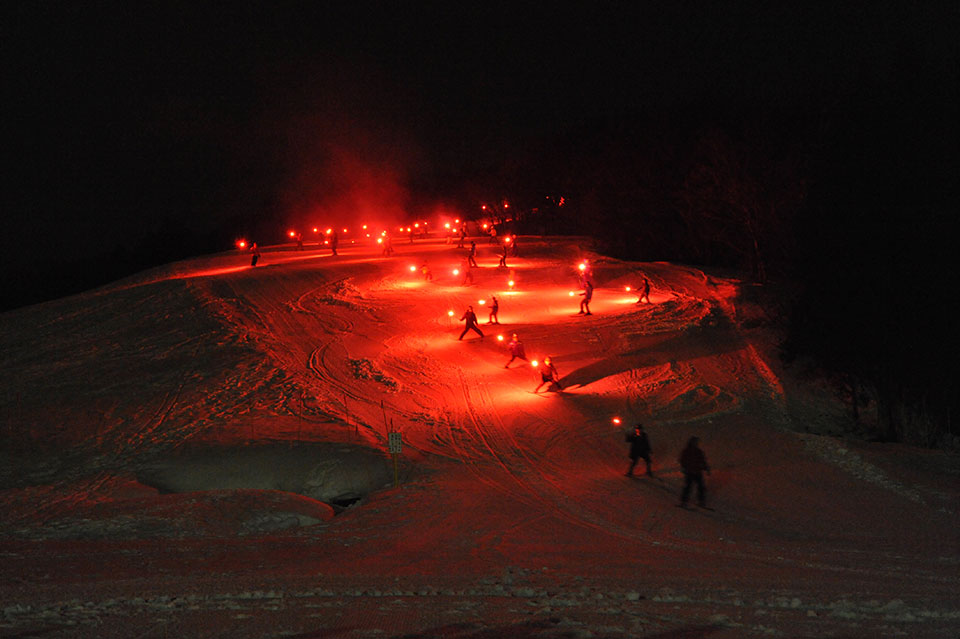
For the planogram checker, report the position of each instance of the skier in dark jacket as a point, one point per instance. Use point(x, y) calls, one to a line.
point(503, 255)
point(516, 351)
point(639, 449)
point(471, 319)
point(694, 464)
point(256, 254)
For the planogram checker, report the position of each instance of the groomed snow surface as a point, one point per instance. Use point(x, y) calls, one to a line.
point(201, 451)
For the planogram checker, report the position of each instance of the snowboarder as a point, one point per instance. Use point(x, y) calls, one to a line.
point(516, 351)
point(549, 375)
point(645, 291)
point(471, 319)
point(503, 255)
point(494, 307)
point(472, 256)
point(587, 296)
point(694, 464)
point(256, 254)
point(639, 449)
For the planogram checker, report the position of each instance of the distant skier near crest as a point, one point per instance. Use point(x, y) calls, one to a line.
point(471, 318)
point(694, 464)
point(645, 291)
point(256, 254)
point(494, 308)
point(516, 351)
point(472, 256)
point(587, 296)
point(549, 376)
point(639, 449)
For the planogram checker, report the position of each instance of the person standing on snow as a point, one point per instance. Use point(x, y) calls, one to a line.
point(467, 273)
point(639, 449)
point(494, 307)
point(472, 256)
point(503, 255)
point(463, 235)
point(334, 240)
point(471, 319)
point(645, 291)
point(256, 254)
point(694, 464)
point(516, 351)
point(587, 296)
point(549, 375)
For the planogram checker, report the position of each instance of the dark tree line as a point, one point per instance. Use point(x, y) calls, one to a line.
point(849, 201)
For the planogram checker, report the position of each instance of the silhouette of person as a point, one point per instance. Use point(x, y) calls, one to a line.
point(299, 241)
point(427, 275)
point(639, 449)
point(645, 291)
point(463, 236)
point(694, 464)
point(471, 319)
point(587, 296)
point(467, 273)
point(334, 240)
point(471, 257)
point(256, 254)
point(493, 319)
point(549, 375)
point(503, 255)
point(516, 351)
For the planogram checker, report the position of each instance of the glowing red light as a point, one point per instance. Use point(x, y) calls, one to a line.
point(534, 363)
point(582, 266)
point(329, 231)
point(450, 313)
point(413, 269)
point(344, 230)
point(510, 283)
point(364, 227)
point(628, 289)
point(499, 338)
point(616, 420)
point(571, 293)
point(242, 244)
point(292, 233)
point(506, 239)
point(456, 271)
point(456, 221)
point(447, 225)
point(416, 225)
point(481, 302)
point(316, 230)
point(379, 240)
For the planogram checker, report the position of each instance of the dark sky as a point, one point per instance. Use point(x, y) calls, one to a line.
point(132, 123)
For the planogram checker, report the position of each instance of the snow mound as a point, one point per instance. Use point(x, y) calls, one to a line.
point(331, 473)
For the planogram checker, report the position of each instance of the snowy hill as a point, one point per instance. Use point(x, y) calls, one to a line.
point(201, 450)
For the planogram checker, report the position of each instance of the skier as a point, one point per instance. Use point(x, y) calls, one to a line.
point(549, 375)
point(645, 291)
point(694, 464)
point(514, 249)
point(494, 307)
point(471, 257)
point(427, 275)
point(503, 255)
point(334, 240)
point(471, 319)
point(587, 296)
point(467, 274)
point(516, 351)
point(387, 247)
point(639, 449)
point(299, 241)
point(256, 254)
point(463, 236)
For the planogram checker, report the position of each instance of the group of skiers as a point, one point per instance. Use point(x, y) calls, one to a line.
point(693, 463)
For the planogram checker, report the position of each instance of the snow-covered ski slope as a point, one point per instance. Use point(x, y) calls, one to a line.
point(200, 450)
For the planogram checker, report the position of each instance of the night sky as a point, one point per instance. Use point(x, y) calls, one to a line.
point(138, 133)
